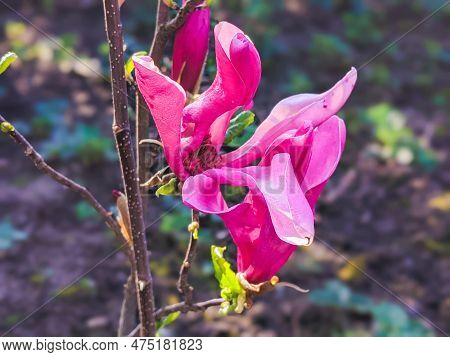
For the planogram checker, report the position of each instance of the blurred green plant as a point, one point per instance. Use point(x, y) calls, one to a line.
point(49, 114)
point(48, 5)
point(436, 50)
point(388, 319)
point(176, 222)
point(442, 99)
point(84, 287)
point(379, 74)
point(84, 141)
point(328, 51)
point(60, 50)
point(397, 140)
point(258, 16)
point(9, 235)
point(437, 246)
point(15, 32)
point(360, 28)
point(441, 202)
point(299, 82)
point(84, 211)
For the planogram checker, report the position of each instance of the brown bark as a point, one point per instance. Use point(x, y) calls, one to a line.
point(121, 130)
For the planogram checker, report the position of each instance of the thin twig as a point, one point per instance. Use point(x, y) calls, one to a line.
point(142, 112)
point(167, 29)
point(163, 31)
point(121, 130)
point(57, 176)
point(183, 308)
point(183, 281)
point(129, 307)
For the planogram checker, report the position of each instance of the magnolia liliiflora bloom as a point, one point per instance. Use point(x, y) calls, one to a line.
point(285, 164)
point(190, 48)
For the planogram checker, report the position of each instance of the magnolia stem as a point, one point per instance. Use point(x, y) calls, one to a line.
point(121, 130)
point(163, 31)
point(183, 308)
point(57, 176)
point(167, 29)
point(183, 281)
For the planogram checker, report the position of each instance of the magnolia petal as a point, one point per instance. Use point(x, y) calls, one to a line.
point(234, 86)
point(291, 215)
point(273, 218)
point(296, 112)
point(166, 100)
point(218, 129)
point(189, 52)
point(326, 150)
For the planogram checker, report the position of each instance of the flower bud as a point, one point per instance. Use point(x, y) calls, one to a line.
point(6, 127)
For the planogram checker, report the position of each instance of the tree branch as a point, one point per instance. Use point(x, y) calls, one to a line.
point(55, 175)
point(183, 308)
point(121, 130)
point(129, 307)
point(183, 281)
point(163, 31)
point(142, 112)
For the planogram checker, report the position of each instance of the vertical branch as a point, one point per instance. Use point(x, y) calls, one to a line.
point(121, 130)
point(183, 281)
point(161, 17)
point(127, 320)
point(142, 112)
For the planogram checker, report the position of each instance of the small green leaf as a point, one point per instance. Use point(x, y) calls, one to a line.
point(238, 124)
point(6, 127)
point(6, 61)
point(167, 320)
point(129, 66)
point(168, 189)
point(231, 289)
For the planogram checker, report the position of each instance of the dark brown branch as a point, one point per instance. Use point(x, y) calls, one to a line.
point(183, 281)
point(163, 31)
point(167, 29)
point(183, 308)
point(162, 14)
point(121, 130)
point(142, 112)
point(55, 175)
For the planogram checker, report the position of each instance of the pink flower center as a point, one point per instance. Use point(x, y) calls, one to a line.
point(204, 158)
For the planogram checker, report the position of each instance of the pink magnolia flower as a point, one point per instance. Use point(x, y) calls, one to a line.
point(190, 49)
point(297, 148)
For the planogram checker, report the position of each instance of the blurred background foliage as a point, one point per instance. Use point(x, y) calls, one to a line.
point(384, 214)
